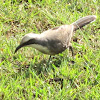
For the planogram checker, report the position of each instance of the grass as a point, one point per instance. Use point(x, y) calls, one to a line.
point(25, 75)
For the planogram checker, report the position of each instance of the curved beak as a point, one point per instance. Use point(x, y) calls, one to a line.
point(20, 46)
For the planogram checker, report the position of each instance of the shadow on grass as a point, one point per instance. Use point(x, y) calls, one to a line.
point(41, 69)
point(42, 66)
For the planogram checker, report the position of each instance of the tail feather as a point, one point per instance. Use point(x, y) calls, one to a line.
point(83, 21)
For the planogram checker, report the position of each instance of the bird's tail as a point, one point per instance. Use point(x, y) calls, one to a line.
point(83, 21)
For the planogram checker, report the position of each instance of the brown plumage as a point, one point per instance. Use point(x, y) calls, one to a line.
point(55, 40)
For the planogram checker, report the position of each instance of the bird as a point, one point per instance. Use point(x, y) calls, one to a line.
point(55, 40)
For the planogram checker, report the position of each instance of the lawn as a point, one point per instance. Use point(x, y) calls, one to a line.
point(26, 75)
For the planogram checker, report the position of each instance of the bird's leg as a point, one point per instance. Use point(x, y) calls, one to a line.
point(70, 47)
point(49, 59)
point(48, 62)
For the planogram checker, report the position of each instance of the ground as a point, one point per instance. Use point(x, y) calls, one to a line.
point(26, 75)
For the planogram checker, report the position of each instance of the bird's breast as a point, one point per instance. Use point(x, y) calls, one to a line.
point(41, 48)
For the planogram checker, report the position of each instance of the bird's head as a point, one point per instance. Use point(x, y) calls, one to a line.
point(27, 40)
